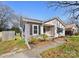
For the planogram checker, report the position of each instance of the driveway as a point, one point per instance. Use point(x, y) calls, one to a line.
point(35, 52)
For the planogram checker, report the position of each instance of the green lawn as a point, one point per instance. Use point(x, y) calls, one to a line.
point(7, 46)
point(69, 50)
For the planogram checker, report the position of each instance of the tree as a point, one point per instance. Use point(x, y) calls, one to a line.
point(72, 8)
point(8, 18)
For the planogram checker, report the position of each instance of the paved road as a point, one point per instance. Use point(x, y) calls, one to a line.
point(35, 52)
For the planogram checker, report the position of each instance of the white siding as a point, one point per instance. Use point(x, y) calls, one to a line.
point(41, 28)
point(27, 31)
point(60, 26)
point(56, 23)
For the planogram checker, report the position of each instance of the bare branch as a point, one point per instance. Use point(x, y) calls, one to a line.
point(71, 6)
point(7, 15)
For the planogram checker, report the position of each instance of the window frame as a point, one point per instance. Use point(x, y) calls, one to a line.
point(33, 29)
point(61, 30)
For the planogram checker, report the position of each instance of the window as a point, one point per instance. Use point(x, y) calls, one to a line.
point(35, 29)
point(59, 30)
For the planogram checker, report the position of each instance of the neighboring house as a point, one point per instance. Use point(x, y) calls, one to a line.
point(71, 29)
point(32, 27)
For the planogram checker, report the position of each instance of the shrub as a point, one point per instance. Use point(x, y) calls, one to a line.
point(44, 37)
point(17, 36)
point(0, 39)
point(33, 40)
point(16, 29)
point(77, 33)
point(61, 36)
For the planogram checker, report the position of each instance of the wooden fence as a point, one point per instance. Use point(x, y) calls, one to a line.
point(8, 35)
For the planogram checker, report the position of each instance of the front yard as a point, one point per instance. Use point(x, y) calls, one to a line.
point(8, 46)
point(38, 45)
point(18, 43)
point(68, 50)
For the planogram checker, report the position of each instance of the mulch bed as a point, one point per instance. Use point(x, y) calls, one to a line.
point(43, 43)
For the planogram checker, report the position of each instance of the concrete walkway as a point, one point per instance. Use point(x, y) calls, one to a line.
point(35, 52)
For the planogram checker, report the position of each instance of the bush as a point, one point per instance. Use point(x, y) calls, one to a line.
point(44, 37)
point(17, 37)
point(0, 39)
point(61, 36)
point(33, 40)
point(17, 30)
point(77, 33)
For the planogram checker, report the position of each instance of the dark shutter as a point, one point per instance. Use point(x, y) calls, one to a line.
point(39, 30)
point(31, 29)
point(44, 29)
point(23, 27)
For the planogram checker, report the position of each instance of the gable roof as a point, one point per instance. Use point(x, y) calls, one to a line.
point(39, 21)
point(30, 20)
point(56, 18)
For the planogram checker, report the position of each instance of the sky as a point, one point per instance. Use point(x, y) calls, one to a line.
point(36, 10)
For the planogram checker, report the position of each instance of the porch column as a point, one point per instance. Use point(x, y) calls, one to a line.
point(41, 28)
point(64, 32)
point(56, 34)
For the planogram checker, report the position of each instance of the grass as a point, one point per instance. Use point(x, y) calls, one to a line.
point(69, 50)
point(7, 46)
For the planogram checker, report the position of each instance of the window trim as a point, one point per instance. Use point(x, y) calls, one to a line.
point(37, 29)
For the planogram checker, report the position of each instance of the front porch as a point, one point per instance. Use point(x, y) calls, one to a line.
point(49, 30)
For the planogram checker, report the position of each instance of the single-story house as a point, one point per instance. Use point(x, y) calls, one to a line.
point(54, 27)
point(71, 29)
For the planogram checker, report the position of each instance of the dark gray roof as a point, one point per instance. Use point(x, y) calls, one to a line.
point(31, 20)
point(39, 21)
